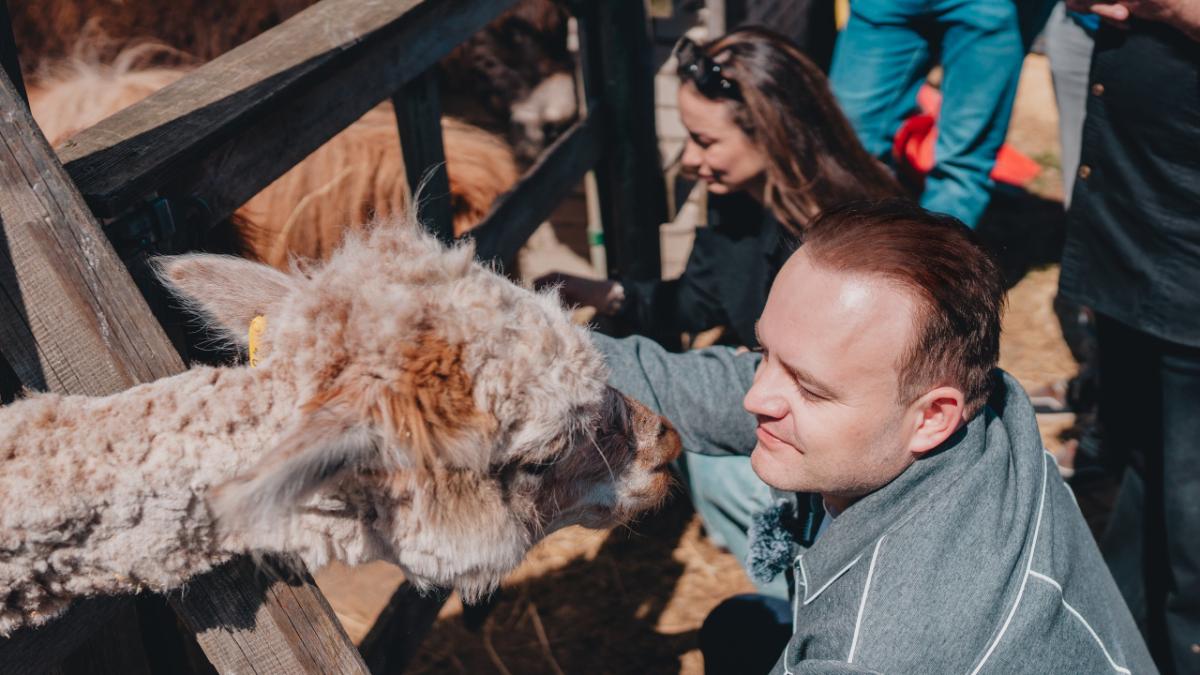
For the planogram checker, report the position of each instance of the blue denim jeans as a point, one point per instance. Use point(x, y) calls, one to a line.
point(1149, 397)
point(883, 57)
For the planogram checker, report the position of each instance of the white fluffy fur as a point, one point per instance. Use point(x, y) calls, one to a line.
point(406, 407)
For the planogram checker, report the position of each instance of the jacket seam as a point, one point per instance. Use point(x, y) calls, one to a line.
point(1037, 526)
point(862, 604)
point(1074, 612)
point(829, 583)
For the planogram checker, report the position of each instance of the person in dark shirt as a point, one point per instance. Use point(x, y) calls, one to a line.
point(772, 147)
point(1133, 254)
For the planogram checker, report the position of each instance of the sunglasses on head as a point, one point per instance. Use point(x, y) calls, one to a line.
point(698, 68)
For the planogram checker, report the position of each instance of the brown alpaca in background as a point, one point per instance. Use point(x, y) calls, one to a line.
point(496, 70)
point(357, 175)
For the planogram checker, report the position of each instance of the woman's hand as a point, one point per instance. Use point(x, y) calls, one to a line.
point(605, 295)
point(1182, 14)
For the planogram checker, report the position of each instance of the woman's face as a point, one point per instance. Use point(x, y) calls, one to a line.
point(718, 152)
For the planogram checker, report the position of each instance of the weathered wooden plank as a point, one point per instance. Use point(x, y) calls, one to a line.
point(419, 115)
point(238, 122)
point(72, 320)
point(235, 601)
point(520, 211)
point(399, 629)
point(618, 75)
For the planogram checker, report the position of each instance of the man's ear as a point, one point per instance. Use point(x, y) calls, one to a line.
point(228, 291)
point(938, 414)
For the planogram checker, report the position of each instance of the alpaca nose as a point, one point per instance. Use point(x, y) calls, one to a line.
point(657, 443)
point(669, 445)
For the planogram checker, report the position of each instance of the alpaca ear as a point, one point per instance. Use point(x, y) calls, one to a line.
point(228, 291)
point(318, 449)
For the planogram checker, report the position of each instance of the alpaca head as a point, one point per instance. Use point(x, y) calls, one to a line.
point(456, 415)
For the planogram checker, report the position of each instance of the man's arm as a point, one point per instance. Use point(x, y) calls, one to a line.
point(699, 391)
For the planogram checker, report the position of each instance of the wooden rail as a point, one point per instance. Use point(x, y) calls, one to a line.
point(72, 321)
point(235, 124)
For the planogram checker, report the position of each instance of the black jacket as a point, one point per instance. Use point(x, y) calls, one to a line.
point(1133, 232)
point(732, 265)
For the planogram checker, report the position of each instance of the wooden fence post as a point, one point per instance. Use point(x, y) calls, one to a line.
point(419, 114)
point(618, 75)
point(71, 320)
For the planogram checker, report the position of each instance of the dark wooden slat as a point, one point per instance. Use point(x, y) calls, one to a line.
point(8, 52)
point(71, 320)
point(516, 215)
point(116, 647)
point(399, 629)
point(237, 123)
point(419, 115)
point(618, 73)
point(33, 652)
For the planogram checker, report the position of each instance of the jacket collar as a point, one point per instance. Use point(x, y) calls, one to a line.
point(856, 531)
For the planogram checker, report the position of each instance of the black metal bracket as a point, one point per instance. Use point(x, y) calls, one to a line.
point(161, 225)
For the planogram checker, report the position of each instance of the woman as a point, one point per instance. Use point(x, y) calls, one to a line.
point(768, 140)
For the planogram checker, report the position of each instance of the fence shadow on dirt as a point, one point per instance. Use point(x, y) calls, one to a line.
point(595, 615)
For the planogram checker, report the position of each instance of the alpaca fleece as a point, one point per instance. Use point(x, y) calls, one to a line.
point(409, 405)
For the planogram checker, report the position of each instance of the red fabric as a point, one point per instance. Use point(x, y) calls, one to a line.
point(912, 148)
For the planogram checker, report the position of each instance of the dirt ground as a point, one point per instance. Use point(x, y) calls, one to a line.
point(633, 599)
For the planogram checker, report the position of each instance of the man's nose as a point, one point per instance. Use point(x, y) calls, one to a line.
point(763, 399)
point(691, 157)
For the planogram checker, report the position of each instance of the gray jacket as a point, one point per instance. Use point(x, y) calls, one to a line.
point(975, 559)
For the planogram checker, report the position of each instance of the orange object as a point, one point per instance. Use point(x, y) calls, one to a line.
point(912, 147)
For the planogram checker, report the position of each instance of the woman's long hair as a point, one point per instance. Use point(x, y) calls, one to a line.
point(785, 106)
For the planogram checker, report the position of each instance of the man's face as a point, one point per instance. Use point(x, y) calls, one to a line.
point(825, 394)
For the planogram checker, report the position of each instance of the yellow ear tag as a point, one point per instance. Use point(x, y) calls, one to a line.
point(257, 326)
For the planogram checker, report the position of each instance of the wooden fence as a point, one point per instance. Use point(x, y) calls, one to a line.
point(165, 170)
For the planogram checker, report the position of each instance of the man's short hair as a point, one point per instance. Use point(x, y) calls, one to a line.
point(959, 288)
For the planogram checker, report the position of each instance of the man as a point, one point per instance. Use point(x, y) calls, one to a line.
point(883, 57)
point(1133, 255)
point(925, 529)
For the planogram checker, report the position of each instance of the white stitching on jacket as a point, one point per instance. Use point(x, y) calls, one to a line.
point(1024, 578)
point(862, 605)
point(1077, 615)
point(832, 579)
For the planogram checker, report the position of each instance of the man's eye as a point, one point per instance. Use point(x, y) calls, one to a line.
point(809, 394)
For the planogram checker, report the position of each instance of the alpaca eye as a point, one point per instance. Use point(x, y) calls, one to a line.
point(537, 468)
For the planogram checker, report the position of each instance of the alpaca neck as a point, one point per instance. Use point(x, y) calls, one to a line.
point(114, 488)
